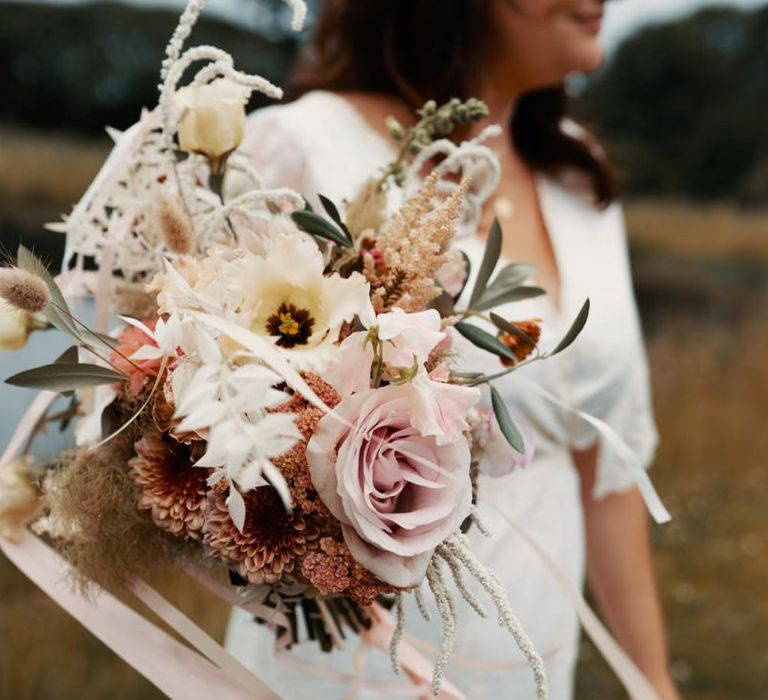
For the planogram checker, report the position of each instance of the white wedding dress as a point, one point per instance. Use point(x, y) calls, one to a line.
point(322, 144)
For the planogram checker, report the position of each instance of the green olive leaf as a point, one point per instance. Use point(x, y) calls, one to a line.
point(322, 228)
point(64, 377)
point(69, 356)
point(507, 327)
point(506, 424)
point(333, 212)
point(573, 332)
point(512, 275)
point(484, 340)
point(507, 296)
point(487, 266)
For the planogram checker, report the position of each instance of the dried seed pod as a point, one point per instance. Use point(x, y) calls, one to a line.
point(24, 290)
point(174, 225)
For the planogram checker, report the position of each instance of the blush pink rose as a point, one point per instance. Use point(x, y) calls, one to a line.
point(397, 493)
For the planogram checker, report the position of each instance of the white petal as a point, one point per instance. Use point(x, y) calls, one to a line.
point(147, 352)
point(236, 507)
point(275, 434)
point(411, 335)
point(207, 348)
point(277, 480)
point(347, 298)
point(194, 394)
point(203, 416)
point(137, 324)
point(269, 354)
point(250, 477)
point(216, 477)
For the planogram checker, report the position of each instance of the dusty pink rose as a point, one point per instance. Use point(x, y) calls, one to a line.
point(397, 493)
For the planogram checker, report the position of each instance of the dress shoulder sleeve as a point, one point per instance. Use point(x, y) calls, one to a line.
point(276, 151)
point(613, 382)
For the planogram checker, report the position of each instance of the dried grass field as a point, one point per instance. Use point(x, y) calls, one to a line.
point(702, 278)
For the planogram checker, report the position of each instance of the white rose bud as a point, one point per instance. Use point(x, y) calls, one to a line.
point(214, 118)
point(15, 326)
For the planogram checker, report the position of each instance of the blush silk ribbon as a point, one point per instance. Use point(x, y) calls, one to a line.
point(172, 667)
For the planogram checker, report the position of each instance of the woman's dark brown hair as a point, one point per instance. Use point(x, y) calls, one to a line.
point(432, 49)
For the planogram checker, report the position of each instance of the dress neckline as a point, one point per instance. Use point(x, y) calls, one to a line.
point(542, 185)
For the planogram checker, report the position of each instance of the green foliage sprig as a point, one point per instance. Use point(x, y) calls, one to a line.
point(434, 123)
point(506, 286)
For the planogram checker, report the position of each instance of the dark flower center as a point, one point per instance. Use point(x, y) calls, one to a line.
point(290, 325)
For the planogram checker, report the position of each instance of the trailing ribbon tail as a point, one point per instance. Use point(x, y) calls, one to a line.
point(634, 682)
point(175, 669)
point(652, 500)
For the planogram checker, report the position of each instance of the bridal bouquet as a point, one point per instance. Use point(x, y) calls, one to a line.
point(279, 400)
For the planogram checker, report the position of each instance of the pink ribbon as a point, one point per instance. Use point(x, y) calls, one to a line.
point(173, 668)
point(26, 426)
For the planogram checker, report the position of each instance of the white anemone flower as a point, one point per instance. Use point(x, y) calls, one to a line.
point(286, 297)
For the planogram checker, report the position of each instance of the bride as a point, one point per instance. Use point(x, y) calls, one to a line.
point(556, 203)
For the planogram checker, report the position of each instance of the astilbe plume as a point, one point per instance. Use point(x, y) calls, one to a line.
point(403, 261)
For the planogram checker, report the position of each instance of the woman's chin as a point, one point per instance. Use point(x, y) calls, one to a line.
point(588, 59)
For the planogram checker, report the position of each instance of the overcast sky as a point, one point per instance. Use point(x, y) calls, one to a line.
point(623, 16)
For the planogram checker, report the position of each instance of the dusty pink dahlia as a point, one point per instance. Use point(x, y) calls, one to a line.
point(272, 539)
point(172, 489)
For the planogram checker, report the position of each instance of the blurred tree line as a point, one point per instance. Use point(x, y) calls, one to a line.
point(683, 107)
point(79, 68)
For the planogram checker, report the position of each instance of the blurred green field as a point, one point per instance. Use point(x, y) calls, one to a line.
point(702, 277)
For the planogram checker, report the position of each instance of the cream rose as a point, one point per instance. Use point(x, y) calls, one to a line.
point(397, 493)
point(213, 121)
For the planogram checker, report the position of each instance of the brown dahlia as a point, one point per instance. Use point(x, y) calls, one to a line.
point(162, 414)
point(172, 489)
point(272, 539)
